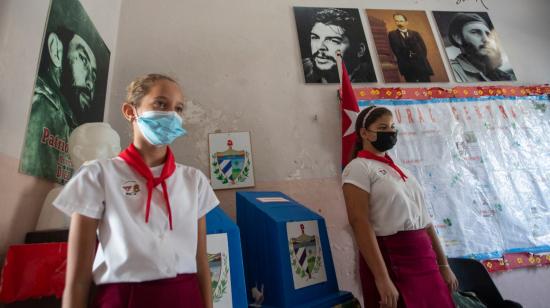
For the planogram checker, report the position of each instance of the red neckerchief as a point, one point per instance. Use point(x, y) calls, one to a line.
point(132, 157)
point(386, 159)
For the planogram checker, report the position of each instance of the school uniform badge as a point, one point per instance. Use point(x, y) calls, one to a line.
point(382, 172)
point(130, 188)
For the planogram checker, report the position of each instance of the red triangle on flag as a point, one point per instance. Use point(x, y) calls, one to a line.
point(350, 110)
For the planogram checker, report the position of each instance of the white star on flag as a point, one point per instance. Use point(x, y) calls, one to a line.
point(352, 115)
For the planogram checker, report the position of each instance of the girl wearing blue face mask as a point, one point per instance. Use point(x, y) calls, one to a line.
point(148, 213)
point(402, 263)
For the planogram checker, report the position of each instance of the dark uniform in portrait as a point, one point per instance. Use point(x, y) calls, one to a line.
point(410, 50)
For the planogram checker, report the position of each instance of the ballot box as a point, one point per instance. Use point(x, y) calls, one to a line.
point(286, 253)
point(225, 260)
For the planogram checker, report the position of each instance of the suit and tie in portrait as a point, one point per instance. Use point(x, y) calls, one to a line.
point(410, 51)
point(406, 54)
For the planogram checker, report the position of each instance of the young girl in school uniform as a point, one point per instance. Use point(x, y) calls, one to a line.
point(148, 212)
point(402, 263)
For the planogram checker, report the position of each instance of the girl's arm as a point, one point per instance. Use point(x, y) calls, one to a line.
point(80, 258)
point(444, 267)
point(357, 205)
point(203, 270)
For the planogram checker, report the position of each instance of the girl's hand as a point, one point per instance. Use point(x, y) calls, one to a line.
point(449, 277)
point(388, 293)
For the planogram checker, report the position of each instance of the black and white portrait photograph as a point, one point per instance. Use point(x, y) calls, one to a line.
point(325, 32)
point(473, 47)
point(70, 90)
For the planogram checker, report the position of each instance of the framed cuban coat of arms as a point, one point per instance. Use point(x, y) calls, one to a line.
point(230, 160)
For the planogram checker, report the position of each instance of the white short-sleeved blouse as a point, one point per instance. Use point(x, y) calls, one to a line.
point(131, 250)
point(394, 205)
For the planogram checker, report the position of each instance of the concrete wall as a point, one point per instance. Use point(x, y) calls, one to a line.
point(239, 63)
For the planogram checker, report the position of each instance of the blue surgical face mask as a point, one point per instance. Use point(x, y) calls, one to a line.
point(160, 127)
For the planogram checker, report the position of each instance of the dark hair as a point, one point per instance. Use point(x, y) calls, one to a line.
point(335, 17)
point(343, 19)
point(373, 116)
point(458, 22)
point(400, 14)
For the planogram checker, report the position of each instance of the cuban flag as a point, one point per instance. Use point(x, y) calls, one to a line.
point(350, 110)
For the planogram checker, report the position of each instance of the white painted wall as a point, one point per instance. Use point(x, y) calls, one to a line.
point(239, 62)
point(19, 53)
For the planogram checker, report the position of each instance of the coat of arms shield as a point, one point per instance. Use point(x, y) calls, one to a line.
point(306, 254)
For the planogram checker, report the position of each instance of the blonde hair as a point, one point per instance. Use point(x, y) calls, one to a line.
point(141, 86)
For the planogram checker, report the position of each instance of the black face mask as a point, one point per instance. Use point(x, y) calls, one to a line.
point(384, 141)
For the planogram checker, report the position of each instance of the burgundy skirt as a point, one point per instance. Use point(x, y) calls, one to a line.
point(180, 291)
point(412, 265)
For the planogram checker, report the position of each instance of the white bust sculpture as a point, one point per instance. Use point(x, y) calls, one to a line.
point(88, 141)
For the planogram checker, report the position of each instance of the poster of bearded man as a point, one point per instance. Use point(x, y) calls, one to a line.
point(323, 34)
point(70, 90)
point(473, 48)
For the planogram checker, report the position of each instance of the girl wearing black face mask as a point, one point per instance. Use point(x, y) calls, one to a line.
point(402, 263)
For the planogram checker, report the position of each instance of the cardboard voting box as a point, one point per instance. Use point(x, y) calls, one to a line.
point(286, 252)
point(225, 260)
